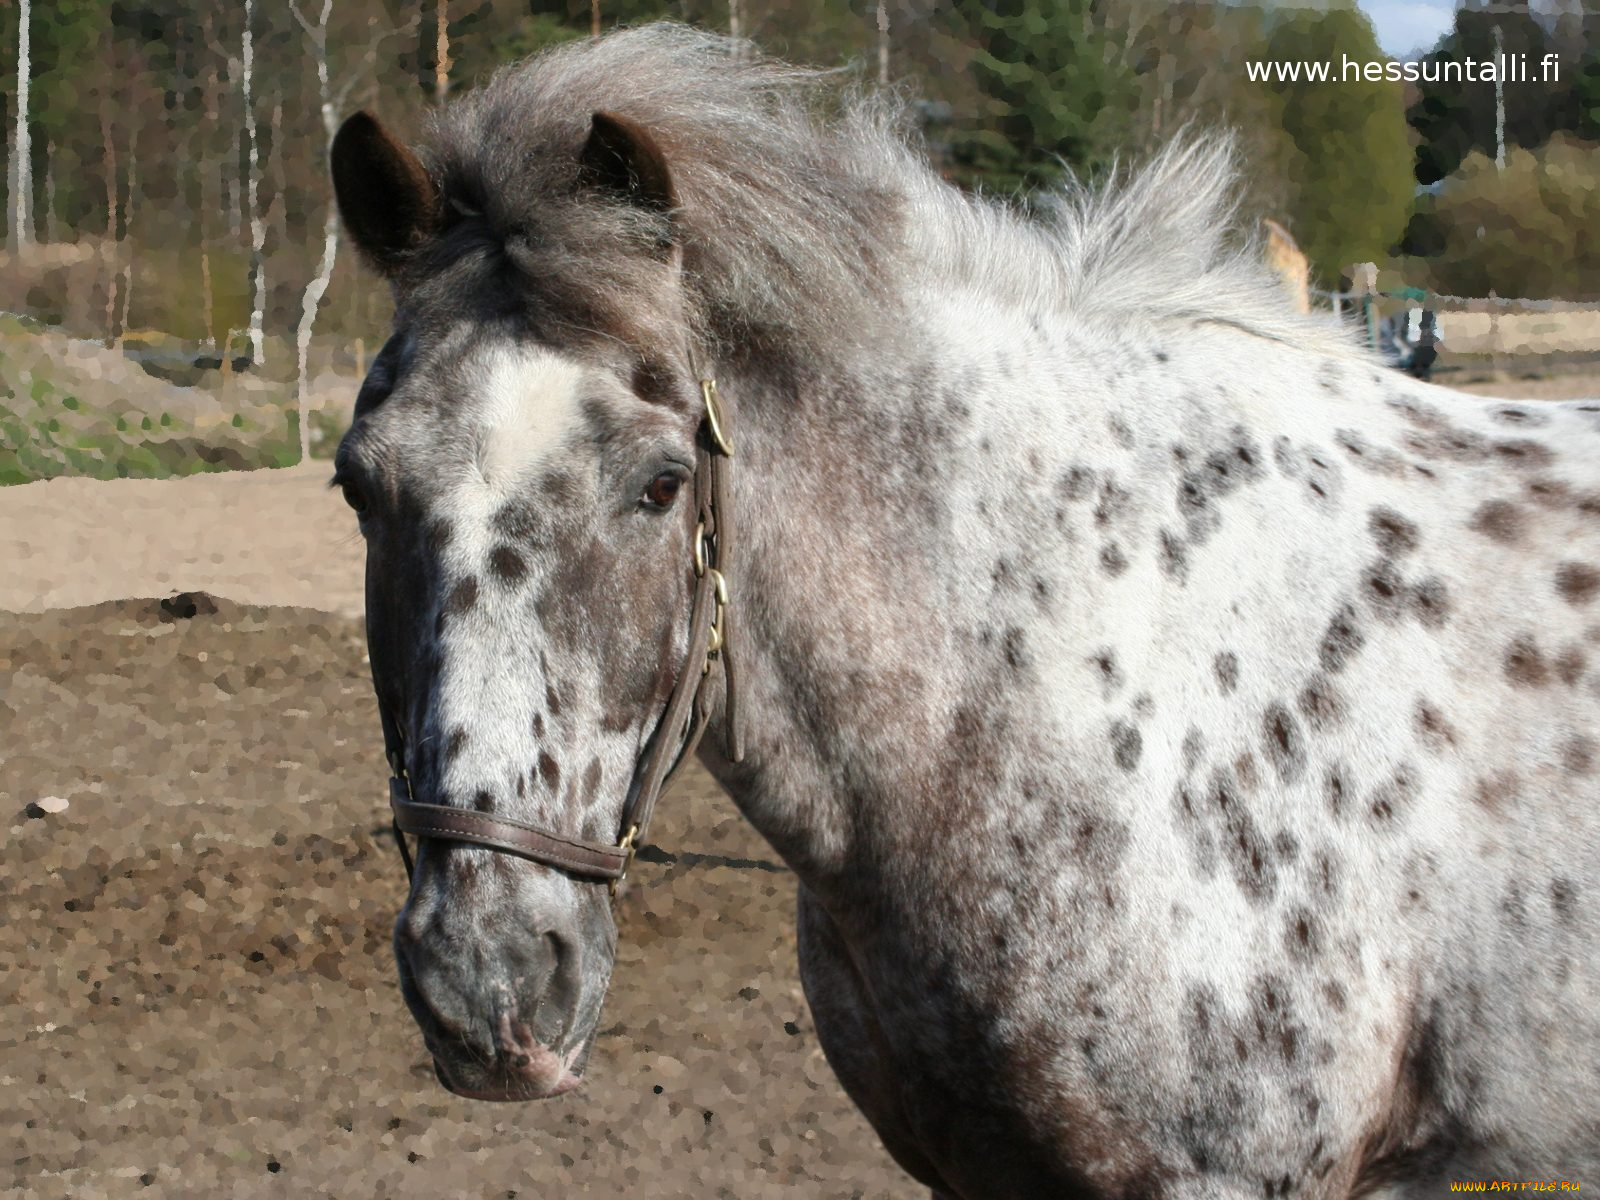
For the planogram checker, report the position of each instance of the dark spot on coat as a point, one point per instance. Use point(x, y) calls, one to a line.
point(1321, 704)
point(1303, 934)
point(1076, 483)
point(1549, 493)
point(1174, 556)
point(438, 537)
point(1366, 455)
point(462, 597)
point(506, 565)
point(1193, 745)
point(1430, 602)
point(1514, 905)
point(1126, 745)
point(1112, 559)
point(1342, 641)
point(1339, 788)
point(1570, 664)
point(1248, 855)
point(1112, 505)
point(1564, 900)
point(1014, 647)
point(1495, 793)
point(519, 521)
point(1396, 536)
point(1499, 520)
point(1104, 662)
point(1436, 732)
point(1578, 755)
point(1524, 452)
point(538, 725)
point(591, 778)
point(454, 744)
point(1524, 664)
point(1510, 415)
point(549, 771)
point(483, 802)
point(1284, 742)
point(1226, 666)
point(1391, 799)
point(1577, 582)
point(1384, 589)
point(551, 700)
point(1120, 431)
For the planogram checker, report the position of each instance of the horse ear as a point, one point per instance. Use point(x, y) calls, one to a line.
point(622, 158)
point(386, 199)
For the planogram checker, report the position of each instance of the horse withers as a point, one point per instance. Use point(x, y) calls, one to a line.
point(1183, 730)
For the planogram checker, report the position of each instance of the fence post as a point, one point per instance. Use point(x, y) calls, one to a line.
point(1364, 283)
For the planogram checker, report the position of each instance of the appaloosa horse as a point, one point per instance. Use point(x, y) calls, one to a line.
point(1183, 731)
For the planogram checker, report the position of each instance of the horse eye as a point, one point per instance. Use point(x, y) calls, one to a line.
point(353, 497)
point(663, 490)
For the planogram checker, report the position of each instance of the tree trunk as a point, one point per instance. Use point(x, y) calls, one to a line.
point(258, 229)
point(318, 286)
point(124, 243)
point(883, 43)
point(441, 68)
point(110, 250)
point(49, 191)
point(22, 182)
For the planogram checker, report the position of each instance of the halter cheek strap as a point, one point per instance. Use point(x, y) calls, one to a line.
point(684, 721)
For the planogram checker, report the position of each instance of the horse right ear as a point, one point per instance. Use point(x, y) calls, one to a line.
point(387, 201)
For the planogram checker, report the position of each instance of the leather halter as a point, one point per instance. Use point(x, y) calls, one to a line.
point(684, 721)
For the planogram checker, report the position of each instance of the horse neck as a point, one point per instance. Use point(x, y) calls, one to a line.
point(883, 581)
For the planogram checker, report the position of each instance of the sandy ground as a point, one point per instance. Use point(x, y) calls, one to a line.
point(269, 537)
point(194, 960)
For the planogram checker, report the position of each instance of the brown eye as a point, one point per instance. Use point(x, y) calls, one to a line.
point(353, 497)
point(663, 490)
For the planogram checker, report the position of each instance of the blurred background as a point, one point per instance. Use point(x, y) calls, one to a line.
point(174, 295)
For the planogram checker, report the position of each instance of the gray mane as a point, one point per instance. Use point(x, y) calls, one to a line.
point(807, 209)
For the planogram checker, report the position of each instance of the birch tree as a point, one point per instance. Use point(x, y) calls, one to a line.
point(258, 228)
point(21, 176)
point(331, 104)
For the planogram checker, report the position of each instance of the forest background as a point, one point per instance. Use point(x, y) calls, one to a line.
point(166, 194)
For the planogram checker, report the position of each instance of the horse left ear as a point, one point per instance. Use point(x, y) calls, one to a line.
point(388, 202)
point(622, 158)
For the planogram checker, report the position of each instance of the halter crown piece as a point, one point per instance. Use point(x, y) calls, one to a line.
point(687, 714)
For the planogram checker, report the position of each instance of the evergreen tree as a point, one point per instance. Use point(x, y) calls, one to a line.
point(1051, 90)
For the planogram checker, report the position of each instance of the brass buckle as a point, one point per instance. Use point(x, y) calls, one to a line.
point(627, 843)
point(714, 643)
point(708, 392)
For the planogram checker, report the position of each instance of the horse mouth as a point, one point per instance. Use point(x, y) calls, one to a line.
point(524, 1067)
point(513, 1088)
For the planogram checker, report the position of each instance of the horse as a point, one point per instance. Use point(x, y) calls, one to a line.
point(1182, 729)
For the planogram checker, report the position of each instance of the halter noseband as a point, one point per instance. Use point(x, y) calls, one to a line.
point(687, 714)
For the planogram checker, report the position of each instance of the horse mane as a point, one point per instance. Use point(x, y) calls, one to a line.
point(808, 210)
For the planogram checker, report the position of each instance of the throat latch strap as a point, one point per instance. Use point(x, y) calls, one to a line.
point(688, 711)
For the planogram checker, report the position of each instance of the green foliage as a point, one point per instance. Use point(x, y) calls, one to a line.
point(1051, 91)
point(1525, 231)
point(1346, 157)
point(1452, 118)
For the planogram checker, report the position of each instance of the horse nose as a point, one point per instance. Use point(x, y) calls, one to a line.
point(486, 1004)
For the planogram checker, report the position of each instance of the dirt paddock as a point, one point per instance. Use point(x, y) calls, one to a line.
point(198, 985)
point(195, 972)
